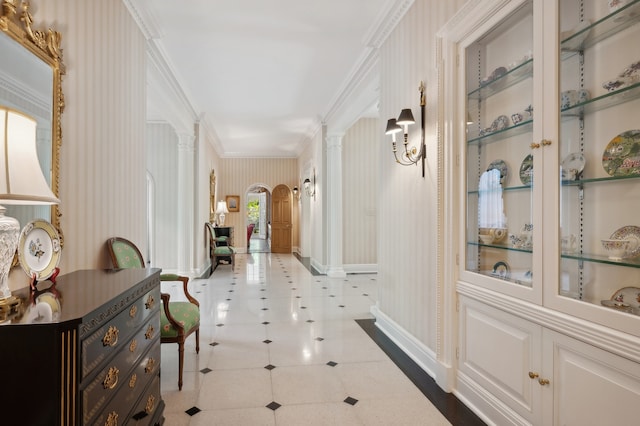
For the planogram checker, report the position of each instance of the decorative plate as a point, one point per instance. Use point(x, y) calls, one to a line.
point(501, 269)
point(631, 233)
point(572, 166)
point(500, 123)
point(502, 166)
point(39, 249)
point(526, 170)
point(622, 156)
point(624, 299)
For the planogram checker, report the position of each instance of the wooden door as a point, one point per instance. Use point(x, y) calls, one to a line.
point(281, 220)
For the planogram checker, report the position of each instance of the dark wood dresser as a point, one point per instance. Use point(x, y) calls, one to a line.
point(85, 351)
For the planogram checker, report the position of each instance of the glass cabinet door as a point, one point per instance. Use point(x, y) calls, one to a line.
point(600, 153)
point(499, 164)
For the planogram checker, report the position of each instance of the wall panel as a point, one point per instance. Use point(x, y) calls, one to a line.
point(360, 197)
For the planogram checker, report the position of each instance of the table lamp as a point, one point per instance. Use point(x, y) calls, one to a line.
point(21, 183)
point(221, 210)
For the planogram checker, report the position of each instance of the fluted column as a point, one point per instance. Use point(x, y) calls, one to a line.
point(185, 201)
point(334, 205)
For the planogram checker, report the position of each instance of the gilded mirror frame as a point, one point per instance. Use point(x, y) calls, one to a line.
point(16, 22)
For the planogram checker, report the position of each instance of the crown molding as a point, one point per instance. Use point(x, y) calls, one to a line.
point(386, 22)
point(145, 20)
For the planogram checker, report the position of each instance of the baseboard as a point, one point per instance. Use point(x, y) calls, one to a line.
point(364, 268)
point(423, 356)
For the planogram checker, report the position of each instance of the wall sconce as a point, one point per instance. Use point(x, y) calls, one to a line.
point(411, 155)
point(296, 192)
point(310, 185)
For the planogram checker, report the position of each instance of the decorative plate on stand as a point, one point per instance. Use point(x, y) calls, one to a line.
point(39, 249)
point(631, 233)
point(621, 157)
point(526, 170)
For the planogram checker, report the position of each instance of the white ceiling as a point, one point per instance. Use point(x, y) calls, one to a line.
point(262, 74)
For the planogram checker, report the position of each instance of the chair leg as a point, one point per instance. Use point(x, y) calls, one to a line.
point(198, 341)
point(180, 363)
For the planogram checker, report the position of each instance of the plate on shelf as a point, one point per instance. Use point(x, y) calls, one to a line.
point(621, 157)
point(501, 269)
point(39, 249)
point(526, 170)
point(626, 297)
point(572, 166)
point(631, 233)
point(502, 167)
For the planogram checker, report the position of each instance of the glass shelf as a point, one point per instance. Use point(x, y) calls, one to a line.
point(597, 258)
point(508, 188)
point(511, 77)
point(605, 101)
point(602, 29)
point(500, 247)
point(518, 129)
point(598, 180)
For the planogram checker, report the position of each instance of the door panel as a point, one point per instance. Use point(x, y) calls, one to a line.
point(281, 220)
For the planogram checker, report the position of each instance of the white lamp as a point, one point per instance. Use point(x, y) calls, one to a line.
point(221, 210)
point(21, 183)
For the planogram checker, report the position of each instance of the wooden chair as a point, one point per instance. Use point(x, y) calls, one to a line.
point(218, 252)
point(178, 320)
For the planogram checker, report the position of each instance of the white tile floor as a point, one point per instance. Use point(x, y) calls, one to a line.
point(283, 348)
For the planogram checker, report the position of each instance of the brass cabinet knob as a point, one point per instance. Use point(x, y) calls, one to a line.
point(534, 145)
point(546, 142)
point(533, 375)
point(543, 382)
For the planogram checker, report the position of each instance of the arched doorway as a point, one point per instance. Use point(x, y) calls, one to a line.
point(258, 217)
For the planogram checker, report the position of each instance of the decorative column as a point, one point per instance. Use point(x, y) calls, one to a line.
point(334, 205)
point(185, 202)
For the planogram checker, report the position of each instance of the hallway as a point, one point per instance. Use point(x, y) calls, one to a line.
point(279, 346)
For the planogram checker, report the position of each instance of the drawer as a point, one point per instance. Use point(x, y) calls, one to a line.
point(114, 376)
point(145, 411)
point(111, 337)
point(140, 387)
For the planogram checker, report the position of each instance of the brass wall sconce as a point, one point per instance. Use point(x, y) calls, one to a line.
point(310, 185)
point(409, 156)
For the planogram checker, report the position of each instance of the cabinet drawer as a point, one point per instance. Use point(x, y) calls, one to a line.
point(114, 378)
point(133, 391)
point(145, 411)
point(112, 336)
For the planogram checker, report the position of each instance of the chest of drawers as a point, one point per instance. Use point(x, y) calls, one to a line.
point(92, 358)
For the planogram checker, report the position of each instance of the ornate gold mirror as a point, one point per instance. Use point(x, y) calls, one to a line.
point(30, 81)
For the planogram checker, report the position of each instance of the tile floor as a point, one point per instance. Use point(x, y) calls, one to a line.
point(280, 346)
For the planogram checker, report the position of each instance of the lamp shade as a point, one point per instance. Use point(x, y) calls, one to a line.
point(222, 207)
point(392, 127)
point(406, 117)
point(21, 178)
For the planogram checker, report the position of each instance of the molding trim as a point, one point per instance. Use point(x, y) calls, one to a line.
point(145, 21)
point(386, 22)
point(361, 268)
point(605, 338)
point(415, 349)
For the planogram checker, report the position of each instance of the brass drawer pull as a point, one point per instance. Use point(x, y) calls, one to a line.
point(151, 403)
point(111, 380)
point(110, 337)
point(132, 381)
point(149, 333)
point(150, 302)
point(133, 311)
point(133, 345)
point(112, 419)
point(151, 363)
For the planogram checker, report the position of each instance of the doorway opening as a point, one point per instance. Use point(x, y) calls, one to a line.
point(258, 219)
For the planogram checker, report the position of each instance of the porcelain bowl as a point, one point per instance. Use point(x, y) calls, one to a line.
point(616, 249)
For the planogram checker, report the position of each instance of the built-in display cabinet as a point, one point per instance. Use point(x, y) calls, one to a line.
point(545, 162)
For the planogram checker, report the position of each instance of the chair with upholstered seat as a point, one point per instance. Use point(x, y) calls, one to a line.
point(218, 252)
point(178, 320)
